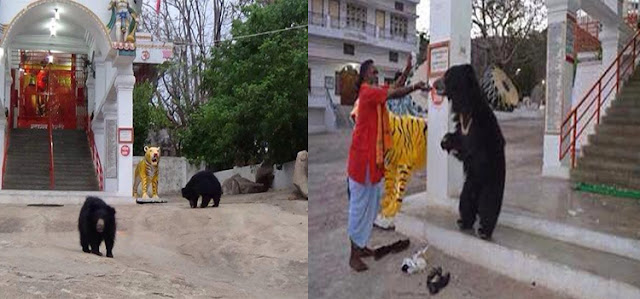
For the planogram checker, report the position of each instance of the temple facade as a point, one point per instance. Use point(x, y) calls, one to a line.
point(69, 68)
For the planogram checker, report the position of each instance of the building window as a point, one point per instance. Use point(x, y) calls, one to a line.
point(380, 22)
point(334, 13)
point(356, 16)
point(399, 26)
point(317, 15)
point(399, 6)
point(349, 49)
point(393, 56)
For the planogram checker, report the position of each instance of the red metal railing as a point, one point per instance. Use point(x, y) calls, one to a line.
point(94, 154)
point(607, 85)
point(6, 149)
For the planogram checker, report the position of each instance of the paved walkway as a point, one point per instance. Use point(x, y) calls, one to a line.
point(252, 246)
point(329, 273)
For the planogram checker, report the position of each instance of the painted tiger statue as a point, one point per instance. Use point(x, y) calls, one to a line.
point(147, 172)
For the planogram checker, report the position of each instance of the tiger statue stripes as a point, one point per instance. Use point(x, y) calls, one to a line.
point(147, 172)
point(408, 153)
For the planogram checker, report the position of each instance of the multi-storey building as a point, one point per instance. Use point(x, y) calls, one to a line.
point(342, 34)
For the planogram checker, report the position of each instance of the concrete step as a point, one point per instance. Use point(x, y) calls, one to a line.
point(621, 119)
point(626, 102)
point(611, 153)
point(564, 267)
point(24, 197)
point(629, 131)
point(613, 177)
point(614, 140)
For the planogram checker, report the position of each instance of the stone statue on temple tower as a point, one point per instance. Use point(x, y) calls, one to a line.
point(124, 20)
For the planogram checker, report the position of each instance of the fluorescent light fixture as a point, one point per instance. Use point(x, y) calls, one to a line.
point(50, 58)
point(53, 27)
point(57, 14)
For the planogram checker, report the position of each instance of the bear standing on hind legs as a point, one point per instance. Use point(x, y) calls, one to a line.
point(97, 222)
point(479, 144)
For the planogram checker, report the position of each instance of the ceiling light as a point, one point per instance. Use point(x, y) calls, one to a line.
point(57, 14)
point(50, 58)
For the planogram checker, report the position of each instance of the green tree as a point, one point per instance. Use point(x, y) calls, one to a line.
point(142, 111)
point(257, 108)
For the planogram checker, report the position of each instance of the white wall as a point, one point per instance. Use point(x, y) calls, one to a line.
point(283, 178)
point(175, 172)
point(9, 8)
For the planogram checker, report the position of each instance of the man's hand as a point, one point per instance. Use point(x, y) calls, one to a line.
point(409, 64)
point(421, 85)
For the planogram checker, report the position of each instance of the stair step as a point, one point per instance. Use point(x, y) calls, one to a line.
point(74, 168)
point(567, 268)
point(605, 152)
point(612, 177)
point(626, 130)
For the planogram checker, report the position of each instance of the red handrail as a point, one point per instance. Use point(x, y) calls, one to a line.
point(624, 67)
point(6, 150)
point(94, 154)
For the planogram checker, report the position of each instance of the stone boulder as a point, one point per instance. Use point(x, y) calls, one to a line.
point(301, 174)
point(264, 175)
point(239, 185)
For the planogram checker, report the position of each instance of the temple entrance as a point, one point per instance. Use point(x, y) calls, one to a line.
point(50, 90)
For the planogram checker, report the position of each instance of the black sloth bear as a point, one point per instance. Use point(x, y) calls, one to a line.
point(479, 144)
point(97, 222)
point(205, 184)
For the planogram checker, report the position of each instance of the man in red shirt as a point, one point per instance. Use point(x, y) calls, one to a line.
point(365, 175)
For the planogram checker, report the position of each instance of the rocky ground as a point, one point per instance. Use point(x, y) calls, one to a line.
point(252, 246)
point(329, 273)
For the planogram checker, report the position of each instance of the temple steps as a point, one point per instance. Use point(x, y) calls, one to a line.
point(28, 161)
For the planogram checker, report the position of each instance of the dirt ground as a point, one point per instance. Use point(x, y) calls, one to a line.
point(252, 246)
point(329, 273)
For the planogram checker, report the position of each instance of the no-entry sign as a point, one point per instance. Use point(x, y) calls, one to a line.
point(125, 150)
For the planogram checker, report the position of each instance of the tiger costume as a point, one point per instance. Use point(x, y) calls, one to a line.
point(407, 154)
point(147, 172)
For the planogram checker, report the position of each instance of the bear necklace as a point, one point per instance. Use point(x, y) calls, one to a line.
point(463, 127)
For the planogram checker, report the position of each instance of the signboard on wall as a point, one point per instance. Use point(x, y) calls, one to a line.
point(438, 56)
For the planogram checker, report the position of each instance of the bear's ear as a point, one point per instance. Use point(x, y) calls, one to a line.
point(146, 148)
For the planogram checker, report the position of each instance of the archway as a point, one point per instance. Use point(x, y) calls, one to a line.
point(348, 76)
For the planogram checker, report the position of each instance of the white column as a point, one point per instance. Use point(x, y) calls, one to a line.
point(109, 159)
point(91, 95)
point(124, 89)
point(450, 21)
point(558, 87)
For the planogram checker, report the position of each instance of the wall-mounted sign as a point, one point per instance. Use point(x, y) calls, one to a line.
point(125, 150)
point(125, 135)
point(329, 82)
point(438, 56)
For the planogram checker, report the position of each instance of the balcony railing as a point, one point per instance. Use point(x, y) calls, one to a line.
point(369, 29)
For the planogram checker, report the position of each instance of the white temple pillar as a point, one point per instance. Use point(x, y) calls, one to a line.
point(559, 85)
point(450, 23)
point(124, 83)
point(109, 158)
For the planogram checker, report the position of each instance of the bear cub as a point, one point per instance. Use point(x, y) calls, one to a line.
point(205, 184)
point(97, 222)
